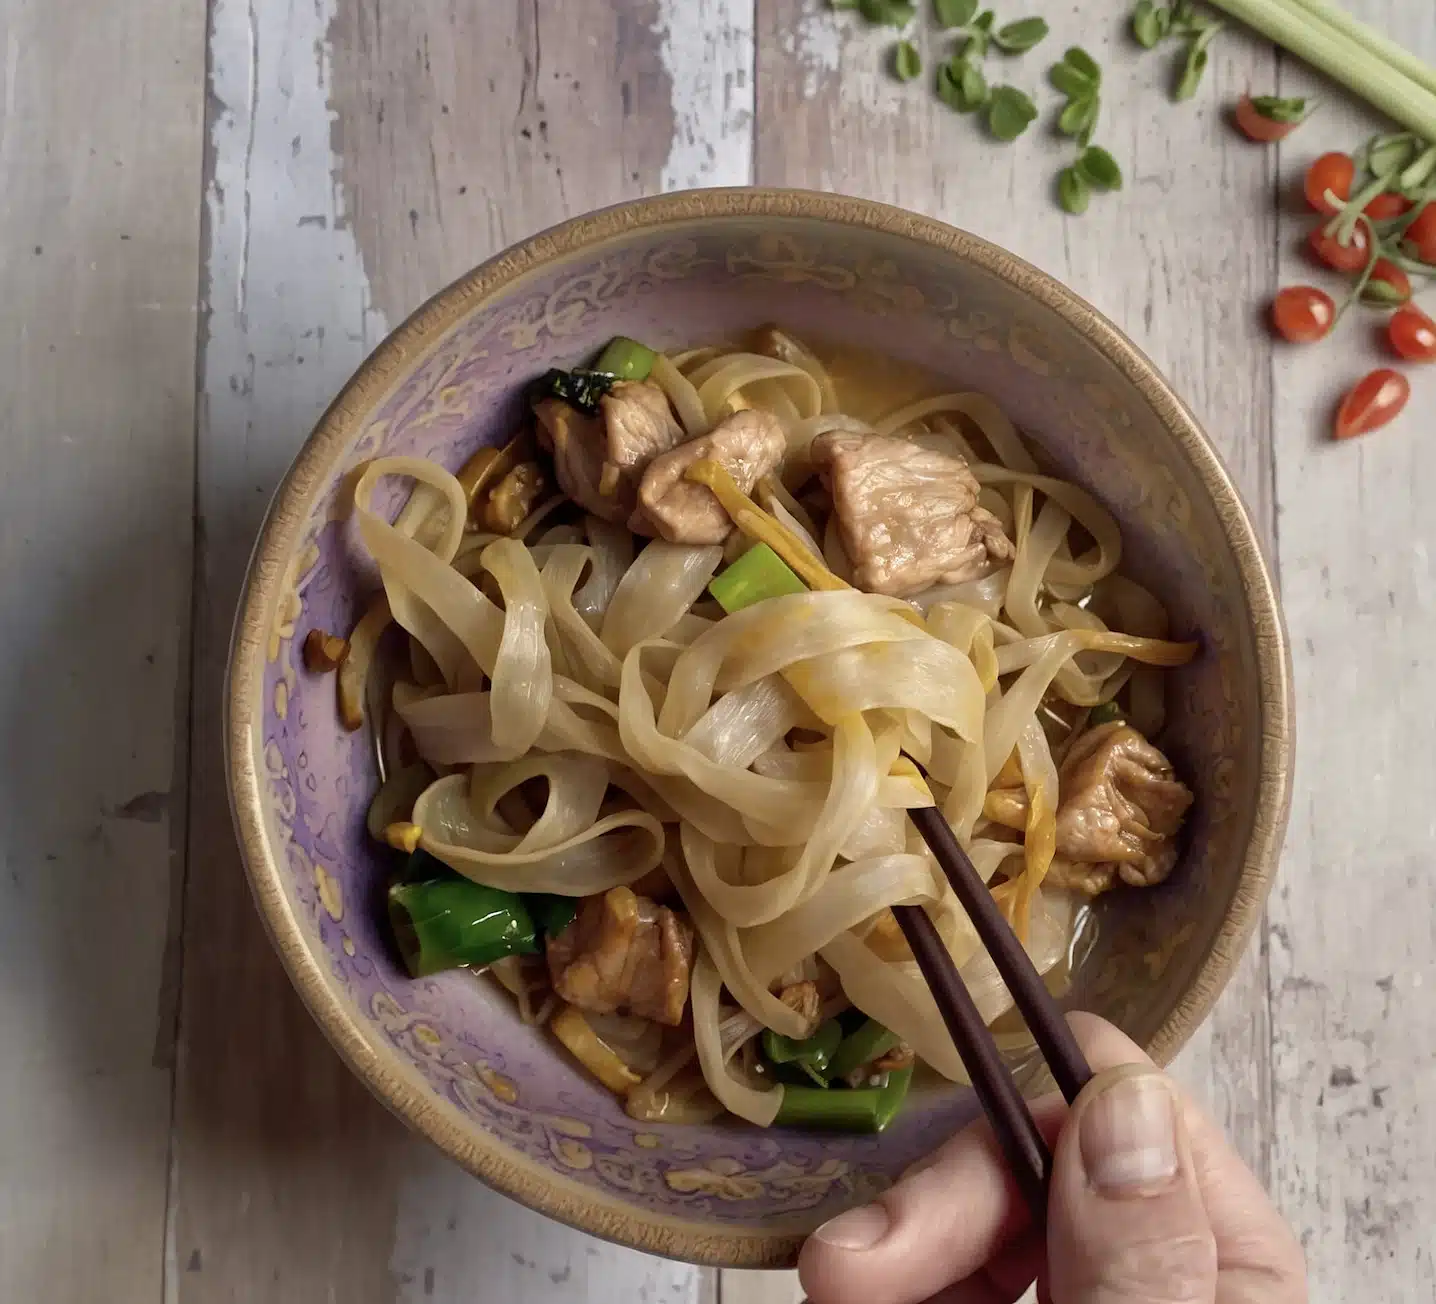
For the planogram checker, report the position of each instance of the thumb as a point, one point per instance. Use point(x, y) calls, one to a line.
point(1126, 1223)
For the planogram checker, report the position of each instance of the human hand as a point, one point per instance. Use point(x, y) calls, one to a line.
point(1149, 1205)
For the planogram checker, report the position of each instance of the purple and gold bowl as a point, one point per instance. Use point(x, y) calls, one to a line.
point(449, 1055)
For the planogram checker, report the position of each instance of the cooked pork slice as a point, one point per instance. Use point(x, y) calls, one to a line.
point(623, 954)
point(599, 460)
point(749, 444)
point(908, 515)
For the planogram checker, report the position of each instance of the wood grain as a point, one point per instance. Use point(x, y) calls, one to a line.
point(453, 134)
point(99, 237)
point(1196, 212)
point(1353, 933)
point(360, 155)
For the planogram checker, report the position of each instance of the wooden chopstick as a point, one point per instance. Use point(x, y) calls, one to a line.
point(1049, 1029)
point(1017, 1134)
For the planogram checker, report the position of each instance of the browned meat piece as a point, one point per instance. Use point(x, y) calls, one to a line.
point(774, 343)
point(805, 999)
point(748, 444)
point(908, 515)
point(624, 955)
point(1121, 804)
point(599, 460)
point(1118, 813)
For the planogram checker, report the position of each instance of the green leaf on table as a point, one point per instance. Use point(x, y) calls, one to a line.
point(1009, 112)
point(1150, 23)
point(961, 85)
point(1099, 169)
point(1069, 81)
point(983, 22)
point(954, 13)
point(1080, 61)
point(888, 13)
point(1021, 36)
point(1196, 63)
point(1276, 109)
point(907, 62)
point(1073, 192)
point(1079, 115)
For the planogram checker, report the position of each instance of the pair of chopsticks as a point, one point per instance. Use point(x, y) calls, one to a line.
point(1026, 1151)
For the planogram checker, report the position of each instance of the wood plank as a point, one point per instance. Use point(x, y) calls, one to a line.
point(99, 236)
point(1353, 921)
point(454, 134)
point(1196, 212)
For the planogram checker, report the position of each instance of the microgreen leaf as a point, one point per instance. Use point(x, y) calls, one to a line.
point(1073, 192)
point(975, 43)
point(954, 13)
point(1150, 23)
point(1099, 169)
point(888, 13)
point(1276, 109)
point(1196, 62)
point(1391, 154)
point(1079, 114)
point(1078, 58)
point(1069, 81)
point(907, 62)
point(1021, 36)
point(983, 22)
point(1009, 112)
point(961, 85)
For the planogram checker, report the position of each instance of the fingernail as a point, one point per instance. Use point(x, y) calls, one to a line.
point(858, 1229)
point(1128, 1137)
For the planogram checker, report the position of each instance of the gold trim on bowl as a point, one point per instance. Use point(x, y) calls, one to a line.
point(380, 1067)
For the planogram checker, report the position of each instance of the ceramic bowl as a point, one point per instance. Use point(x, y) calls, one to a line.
point(447, 1054)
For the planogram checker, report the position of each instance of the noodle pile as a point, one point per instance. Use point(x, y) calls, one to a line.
point(759, 759)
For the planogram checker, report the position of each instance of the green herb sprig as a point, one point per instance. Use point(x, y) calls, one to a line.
point(1153, 23)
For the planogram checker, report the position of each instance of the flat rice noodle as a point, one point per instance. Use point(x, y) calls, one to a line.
point(522, 674)
point(721, 941)
point(655, 592)
point(852, 894)
point(748, 1103)
point(613, 851)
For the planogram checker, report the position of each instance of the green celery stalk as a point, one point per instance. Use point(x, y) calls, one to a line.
point(447, 922)
point(862, 1046)
point(812, 1055)
point(758, 574)
point(626, 359)
point(841, 1109)
point(1297, 27)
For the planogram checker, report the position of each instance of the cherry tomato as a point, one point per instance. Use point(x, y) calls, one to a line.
point(1258, 126)
point(1333, 172)
point(1413, 334)
point(1376, 400)
point(1388, 285)
point(1421, 234)
point(1344, 257)
point(1386, 205)
point(1302, 313)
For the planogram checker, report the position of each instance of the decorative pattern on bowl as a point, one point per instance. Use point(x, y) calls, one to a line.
point(448, 1053)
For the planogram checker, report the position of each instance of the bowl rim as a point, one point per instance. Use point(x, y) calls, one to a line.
point(397, 1085)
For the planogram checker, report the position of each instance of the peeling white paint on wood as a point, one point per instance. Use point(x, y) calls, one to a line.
point(1320, 1059)
point(708, 52)
point(1353, 929)
point(99, 240)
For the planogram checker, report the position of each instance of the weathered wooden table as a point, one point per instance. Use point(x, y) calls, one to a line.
point(205, 225)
